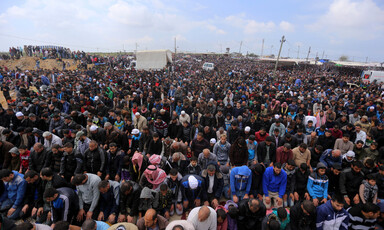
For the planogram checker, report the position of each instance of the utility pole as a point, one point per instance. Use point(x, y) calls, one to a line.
point(241, 43)
point(278, 56)
point(309, 51)
point(322, 56)
point(262, 48)
point(175, 49)
point(298, 51)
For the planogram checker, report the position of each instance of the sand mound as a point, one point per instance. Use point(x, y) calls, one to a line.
point(29, 63)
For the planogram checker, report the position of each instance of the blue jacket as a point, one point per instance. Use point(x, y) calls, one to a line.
point(328, 218)
point(317, 185)
point(273, 183)
point(241, 179)
point(15, 190)
point(327, 158)
point(192, 194)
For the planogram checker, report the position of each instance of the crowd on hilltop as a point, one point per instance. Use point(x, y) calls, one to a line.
point(233, 148)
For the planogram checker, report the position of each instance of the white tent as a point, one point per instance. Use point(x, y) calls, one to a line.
point(153, 59)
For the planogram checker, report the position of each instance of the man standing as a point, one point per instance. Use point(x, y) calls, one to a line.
point(139, 121)
point(129, 201)
point(152, 220)
point(94, 159)
point(64, 203)
point(203, 218)
point(350, 181)
point(39, 158)
point(241, 182)
point(301, 155)
point(109, 200)
point(332, 215)
point(274, 185)
point(251, 214)
point(89, 194)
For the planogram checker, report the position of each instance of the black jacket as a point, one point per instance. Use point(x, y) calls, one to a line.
point(130, 201)
point(218, 182)
point(37, 161)
point(94, 161)
point(262, 152)
point(70, 165)
point(350, 182)
point(301, 221)
point(248, 219)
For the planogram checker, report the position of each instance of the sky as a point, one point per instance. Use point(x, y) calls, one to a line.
point(331, 28)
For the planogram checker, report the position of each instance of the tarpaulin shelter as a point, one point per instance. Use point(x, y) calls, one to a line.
point(153, 59)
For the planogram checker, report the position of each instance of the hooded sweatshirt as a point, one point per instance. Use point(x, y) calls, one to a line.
point(317, 185)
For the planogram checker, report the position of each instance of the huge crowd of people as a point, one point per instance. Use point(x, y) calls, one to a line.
point(233, 148)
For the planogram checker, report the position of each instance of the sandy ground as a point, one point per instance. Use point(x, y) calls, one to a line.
point(29, 63)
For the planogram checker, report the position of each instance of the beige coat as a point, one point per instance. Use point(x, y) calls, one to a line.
point(139, 123)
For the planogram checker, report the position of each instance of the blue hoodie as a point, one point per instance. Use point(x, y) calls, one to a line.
point(241, 179)
point(15, 190)
point(317, 185)
point(328, 218)
point(274, 183)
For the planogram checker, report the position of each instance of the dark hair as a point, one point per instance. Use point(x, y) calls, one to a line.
point(282, 213)
point(371, 177)
point(359, 142)
point(30, 174)
point(369, 207)
point(178, 227)
point(233, 212)
point(319, 147)
point(50, 192)
point(61, 225)
point(47, 172)
point(78, 179)
point(5, 173)
point(346, 135)
point(291, 162)
point(24, 226)
point(309, 206)
point(23, 147)
point(221, 213)
point(193, 158)
point(337, 197)
point(358, 164)
point(173, 172)
point(103, 184)
point(273, 224)
point(68, 145)
point(163, 187)
point(126, 186)
point(277, 165)
point(303, 145)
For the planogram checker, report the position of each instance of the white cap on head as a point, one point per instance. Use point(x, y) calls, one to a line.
point(247, 129)
point(135, 131)
point(19, 114)
point(96, 98)
point(137, 114)
point(277, 116)
point(212, 141)
point(93, 128)
point(192, 181)
point(183, 112)
point(46, 134)
point(350, 154)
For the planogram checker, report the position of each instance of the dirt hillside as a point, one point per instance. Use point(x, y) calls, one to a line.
point(29, 63)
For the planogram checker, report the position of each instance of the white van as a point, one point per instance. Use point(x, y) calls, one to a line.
point(208, 66)
point(369, 76)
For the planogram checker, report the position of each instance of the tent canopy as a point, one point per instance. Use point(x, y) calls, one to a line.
point(153, 59)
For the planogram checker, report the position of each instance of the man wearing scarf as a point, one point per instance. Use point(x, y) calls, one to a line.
point(153, 177)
